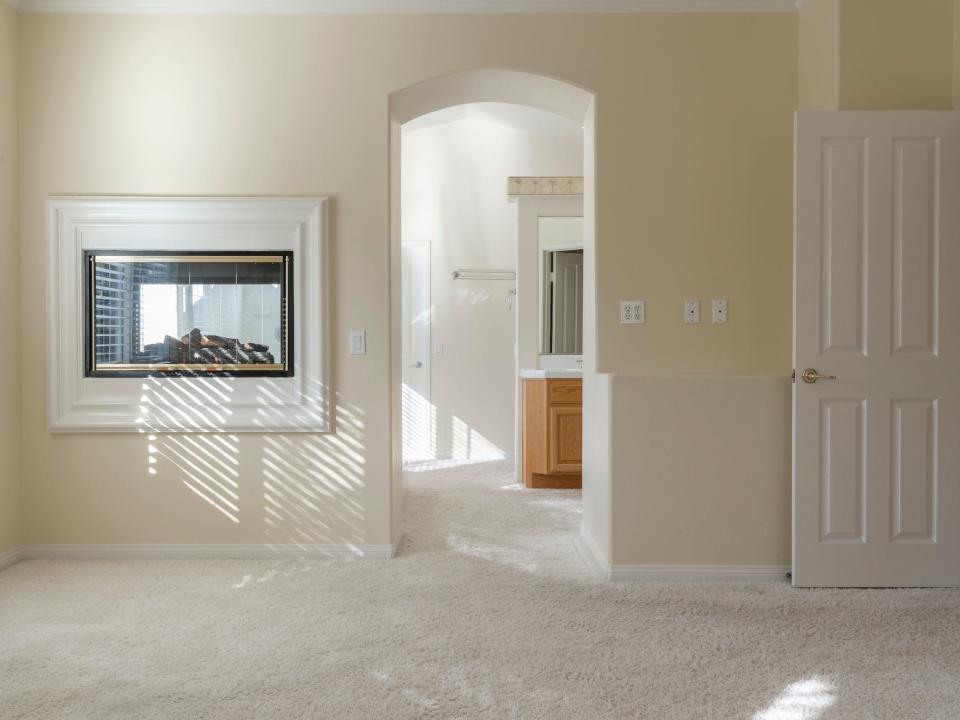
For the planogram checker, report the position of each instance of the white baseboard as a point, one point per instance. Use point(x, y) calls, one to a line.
point(591, 555)
point(703, 573)
point(11, 556)
point(585, 545)
point(397, 541)
point(603, 570)
point(178, 550)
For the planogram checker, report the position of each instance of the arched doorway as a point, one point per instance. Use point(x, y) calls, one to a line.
point(478, 86)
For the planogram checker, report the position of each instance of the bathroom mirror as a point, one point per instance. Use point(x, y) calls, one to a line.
point(560, 241)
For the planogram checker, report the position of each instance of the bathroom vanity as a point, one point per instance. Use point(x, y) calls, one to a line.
point(552, 428)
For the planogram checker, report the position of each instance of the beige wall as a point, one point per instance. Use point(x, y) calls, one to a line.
point(819, 44)
point(694, 200)
point(956, 54)
point(896, 55)
point(694, 126)
point(9, 286)
point(693, 486)
point(694, 193)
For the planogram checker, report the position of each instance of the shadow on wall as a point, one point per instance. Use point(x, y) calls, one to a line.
point(429, 444)
point(311, 485)
point(206, 464)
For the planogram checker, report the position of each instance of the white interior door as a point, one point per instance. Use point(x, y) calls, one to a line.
point(567, 321)
point(877, 305)
point(418, 417)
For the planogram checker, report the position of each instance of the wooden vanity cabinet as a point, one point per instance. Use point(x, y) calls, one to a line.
point(552, 432)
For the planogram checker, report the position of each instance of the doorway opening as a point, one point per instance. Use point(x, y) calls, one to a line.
point(459, 278)
point(464, 294)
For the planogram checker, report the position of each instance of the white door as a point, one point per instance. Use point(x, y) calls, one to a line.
point(877, 305)
point(567, 321)
point(418, 418)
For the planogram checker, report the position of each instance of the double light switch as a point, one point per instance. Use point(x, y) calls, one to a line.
point(691, 312)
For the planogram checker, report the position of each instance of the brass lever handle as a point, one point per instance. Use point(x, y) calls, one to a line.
point(810, 376)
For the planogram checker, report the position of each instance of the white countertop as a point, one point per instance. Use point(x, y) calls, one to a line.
point(551, 374)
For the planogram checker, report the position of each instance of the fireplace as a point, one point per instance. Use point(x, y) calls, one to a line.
point(188, 314)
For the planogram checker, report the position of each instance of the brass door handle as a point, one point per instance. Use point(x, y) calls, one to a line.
point(810, 376)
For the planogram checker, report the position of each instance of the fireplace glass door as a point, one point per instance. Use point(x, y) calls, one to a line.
point(189, 313)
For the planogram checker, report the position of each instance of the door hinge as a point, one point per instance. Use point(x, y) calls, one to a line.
point(793, 375)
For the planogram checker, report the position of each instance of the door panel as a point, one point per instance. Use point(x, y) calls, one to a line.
point(877, 260)
point(916, 196)
point(914, 447)
point(418, 417)
point(844, 246)
point(565, 439)
point(843, 473)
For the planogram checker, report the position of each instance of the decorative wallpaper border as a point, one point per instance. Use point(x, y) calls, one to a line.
point(544, 186)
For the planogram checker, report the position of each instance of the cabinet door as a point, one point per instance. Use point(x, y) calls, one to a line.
point(565, 439)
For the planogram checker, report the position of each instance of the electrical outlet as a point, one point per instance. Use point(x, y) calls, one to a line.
point(633, 312)
point(720, 311)
point(691, 312)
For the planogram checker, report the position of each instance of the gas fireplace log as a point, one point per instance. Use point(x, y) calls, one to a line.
point(197, 348)
point(197, 339)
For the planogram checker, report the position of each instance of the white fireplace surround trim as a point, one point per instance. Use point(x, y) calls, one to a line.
point(302, 403)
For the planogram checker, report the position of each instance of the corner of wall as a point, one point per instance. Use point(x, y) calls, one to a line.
point(596, 530)
point(11, 511)
point(819, 55)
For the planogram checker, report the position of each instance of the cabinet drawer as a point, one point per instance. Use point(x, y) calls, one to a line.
point(565, 392)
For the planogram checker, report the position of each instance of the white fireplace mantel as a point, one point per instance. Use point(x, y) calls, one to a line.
point(76, 403)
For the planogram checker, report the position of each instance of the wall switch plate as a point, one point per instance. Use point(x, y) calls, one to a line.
point(720, 311)
point(358, 342)
point(691, 312)
point(438, 348)
point(633, 312)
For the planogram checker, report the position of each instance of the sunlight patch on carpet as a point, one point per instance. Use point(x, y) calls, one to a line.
point(803, 700)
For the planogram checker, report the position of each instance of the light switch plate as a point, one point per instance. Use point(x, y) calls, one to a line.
point(633, 312)
point(438, 348)
point(720, 311)
point(358, 342)
point(691, 312)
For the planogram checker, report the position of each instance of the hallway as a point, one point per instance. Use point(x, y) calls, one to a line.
point(478, 512)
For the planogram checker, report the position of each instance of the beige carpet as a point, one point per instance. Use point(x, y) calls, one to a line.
point(488, 613)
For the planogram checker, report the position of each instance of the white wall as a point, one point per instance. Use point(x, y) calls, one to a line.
point(454, 180)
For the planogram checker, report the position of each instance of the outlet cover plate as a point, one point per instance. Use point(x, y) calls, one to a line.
point(633, 312)
point(720, 312)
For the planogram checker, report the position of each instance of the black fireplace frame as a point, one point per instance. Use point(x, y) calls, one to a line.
point(91, 370)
